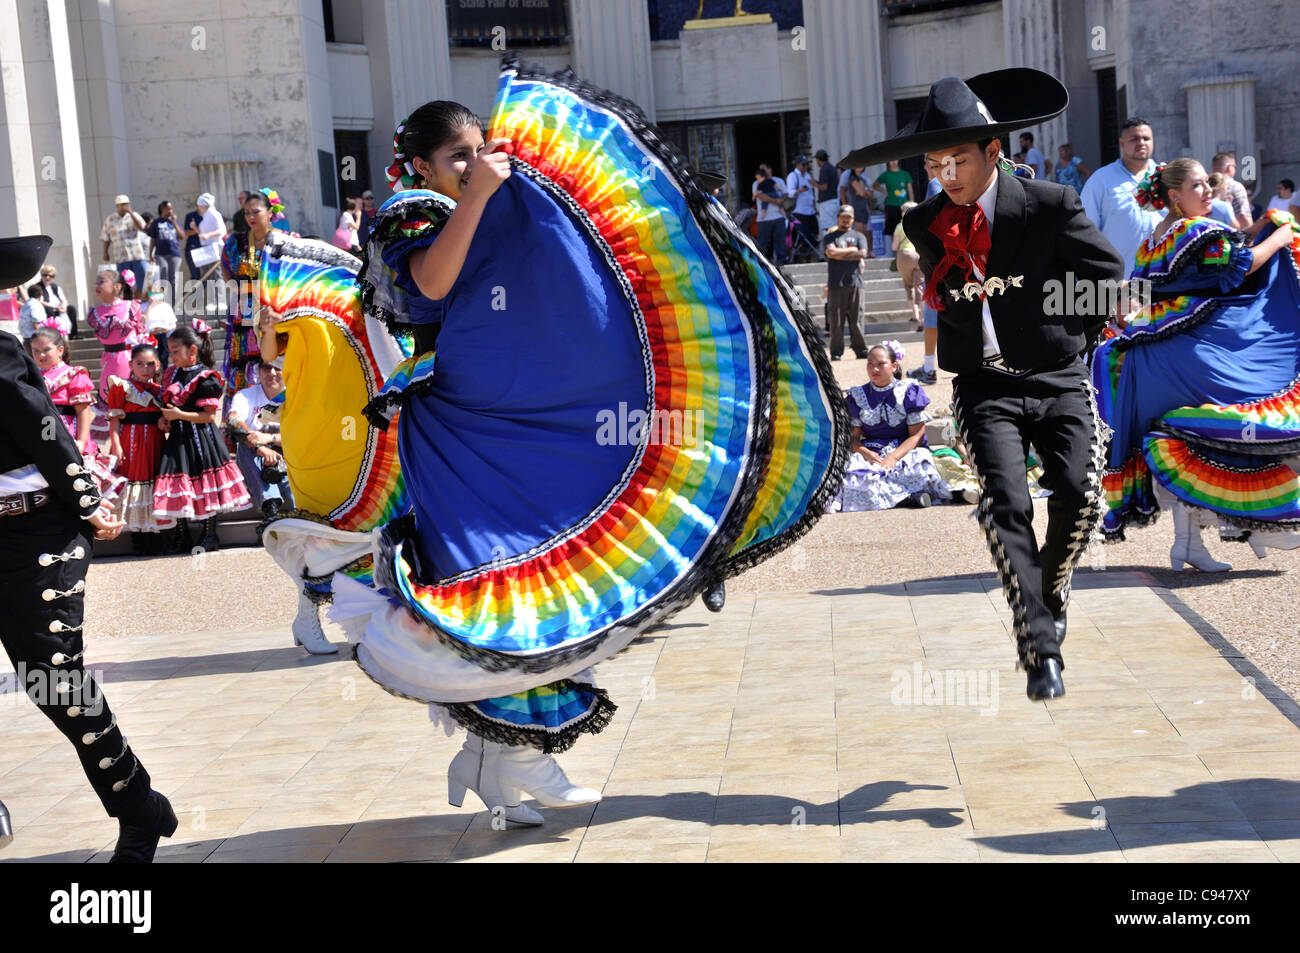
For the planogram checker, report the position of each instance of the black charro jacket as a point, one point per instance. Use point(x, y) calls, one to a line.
point(1041, 233)
point(31, 432)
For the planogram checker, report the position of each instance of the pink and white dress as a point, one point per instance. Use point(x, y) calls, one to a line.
point(70, 388)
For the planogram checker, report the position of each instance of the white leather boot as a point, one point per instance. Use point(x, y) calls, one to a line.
point(1188, 547)
point(307, 631)
point(527, 769)
point(476, 768)
point(1276, 539)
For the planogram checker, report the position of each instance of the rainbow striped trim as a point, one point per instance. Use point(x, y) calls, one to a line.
point(720, 336)
point(310, 281)
point(1248, 496)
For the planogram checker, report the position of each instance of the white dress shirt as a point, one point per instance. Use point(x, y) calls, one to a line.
point(987, 202)
point(1109, 199)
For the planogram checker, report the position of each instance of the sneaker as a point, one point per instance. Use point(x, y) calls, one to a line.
point(923, 376)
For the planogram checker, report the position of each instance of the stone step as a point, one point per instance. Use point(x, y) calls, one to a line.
point(233, 529)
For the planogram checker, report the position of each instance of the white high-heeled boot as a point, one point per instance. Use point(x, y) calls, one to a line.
point(307, 631)
point(527, 769)
point(1276, 539)
point(476, 768)
point(1188, 547)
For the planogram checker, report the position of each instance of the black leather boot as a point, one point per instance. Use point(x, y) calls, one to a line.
point(181, 541)
point(139, 833)
point(715, 597)
point(1060, 628)
point(1045, 681)
point(209, 540)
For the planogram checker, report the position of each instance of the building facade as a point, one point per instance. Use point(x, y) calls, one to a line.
point(164, 99)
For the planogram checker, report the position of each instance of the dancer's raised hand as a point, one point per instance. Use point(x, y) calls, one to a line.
point(491, 168)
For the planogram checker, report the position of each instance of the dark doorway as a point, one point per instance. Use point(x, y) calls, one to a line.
point(906, 110)
point(758, 140)
point(1109, 113)
point(352, 163)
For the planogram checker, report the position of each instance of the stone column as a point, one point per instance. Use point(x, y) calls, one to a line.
point(226, 176)
point(846, 107)
point(611, 48)
point(1033, 39)
point(410, 64)
point(1221, 118)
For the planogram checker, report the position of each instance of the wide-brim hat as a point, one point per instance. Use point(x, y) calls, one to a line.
point(708, 181)
point(22, 257)
point(956, 112)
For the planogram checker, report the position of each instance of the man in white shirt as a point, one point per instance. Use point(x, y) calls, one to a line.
point(767, 192)
point(800, 185)
point(254, 424)
point(1110, 195)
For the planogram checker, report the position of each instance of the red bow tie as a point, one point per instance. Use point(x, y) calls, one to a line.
point(963, 229)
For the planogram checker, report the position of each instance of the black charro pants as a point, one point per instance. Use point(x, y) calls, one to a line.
point(1000, 416)
point(40, 628)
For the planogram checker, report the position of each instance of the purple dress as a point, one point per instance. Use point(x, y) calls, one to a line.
point(886, 415)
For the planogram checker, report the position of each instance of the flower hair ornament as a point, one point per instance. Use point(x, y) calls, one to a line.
point(128, 277)
point(276, 204)
point(401, 170)
point(201, 327)
point(894, 346)
point(1148, 193)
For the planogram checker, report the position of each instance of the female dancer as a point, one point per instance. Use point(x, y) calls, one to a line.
point(595, 440)
point(197, 478)
point(74, 396)
point(240, 257)
point(1202, 388)
point(137, 431)
point(118, 325)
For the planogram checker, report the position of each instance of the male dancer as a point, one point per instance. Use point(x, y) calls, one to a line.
point(993, 248)
point(47, 497)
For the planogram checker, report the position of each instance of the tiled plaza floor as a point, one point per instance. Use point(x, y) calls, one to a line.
point(883, 724)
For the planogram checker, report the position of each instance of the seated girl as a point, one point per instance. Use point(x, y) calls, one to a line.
point(891, 461)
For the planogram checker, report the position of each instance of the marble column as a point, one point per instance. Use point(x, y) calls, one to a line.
point(846, 107)
point(611, 48)
point(1033, 39)
point(410, 64)
point(226, 176)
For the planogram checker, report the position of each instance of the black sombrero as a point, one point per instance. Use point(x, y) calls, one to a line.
point(983, 107)
point(21, 258)
point(709, 181)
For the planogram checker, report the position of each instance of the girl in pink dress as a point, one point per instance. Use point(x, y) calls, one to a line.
point(118, 325)
point(73, 395)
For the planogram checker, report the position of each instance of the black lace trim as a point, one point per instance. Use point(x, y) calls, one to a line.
point(595, 721)
point(378, 410)
point(1211, 232)
point(398, 325)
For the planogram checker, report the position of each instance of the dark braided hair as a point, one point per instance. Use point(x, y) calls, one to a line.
point(420, 135)
point(186, 336)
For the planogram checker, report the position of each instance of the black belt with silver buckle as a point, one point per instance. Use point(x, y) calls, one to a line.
point(20, 503)
point(998, 363)
point(110, 348)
